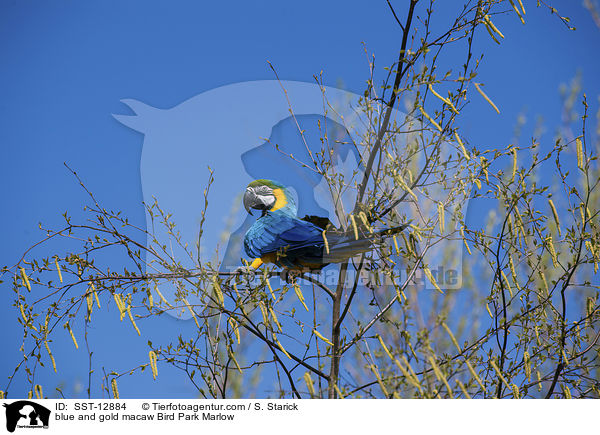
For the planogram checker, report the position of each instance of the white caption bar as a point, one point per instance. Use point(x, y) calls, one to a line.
point(89, 417)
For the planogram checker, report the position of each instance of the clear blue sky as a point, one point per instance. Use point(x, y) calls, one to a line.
point(66, 66)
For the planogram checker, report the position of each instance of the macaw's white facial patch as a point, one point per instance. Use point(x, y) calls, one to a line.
point(267, 201)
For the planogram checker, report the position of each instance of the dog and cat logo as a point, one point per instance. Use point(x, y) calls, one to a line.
point(26, 414)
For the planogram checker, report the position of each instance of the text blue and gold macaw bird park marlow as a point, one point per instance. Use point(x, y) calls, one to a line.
point(278, 236)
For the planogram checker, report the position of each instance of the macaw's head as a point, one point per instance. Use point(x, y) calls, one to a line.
point(265, 195)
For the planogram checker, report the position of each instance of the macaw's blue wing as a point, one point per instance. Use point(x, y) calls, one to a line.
point(294, 243)
point(287, 237)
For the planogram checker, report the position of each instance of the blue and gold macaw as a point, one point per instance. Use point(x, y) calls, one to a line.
point(278, 236)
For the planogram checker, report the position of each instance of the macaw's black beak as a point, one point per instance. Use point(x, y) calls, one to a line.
point(249, 200)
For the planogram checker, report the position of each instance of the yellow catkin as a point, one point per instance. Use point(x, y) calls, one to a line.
point(520, 223)
point(236, 330)
point(486, 98)
point(95, 294)
point(487, 307)
point(25, 279)
point(513, 272)
point(325, 241)
point(484, 168)
point(150, 298)
point(491, 32)
point(474, 374)
point(385, 348)
point(58, 269)
point(441, 217)
point(499, 373)
point(581, 213)
point(445, 100)
point(89, 298)
point(527, 365)
point(318, 334)
point(25, 319)
point(234, 285)
point(379, 380)
point(506, 283)
point(590, 308)
point(430, 119)
point(237, 365)
point(51, 356)
point(354, 227)
point(363, 217)
point(266, 278)
point(68, 326)
point(514, 168)
point(440, 376)
point(281, 346)
point(451, 335)
point(218, 292)
point(132, 320)
point(515, 390)
point(404, 186)
point(30, 394)
point(462, 233)
point(539, 378)
point(300, 295)
point(160, 295)
point(1, 394)
point(462, 145)
point(537, 334)
point(192, 312)
point(409, 377)
point(399, 294)
point(338, 391)
point(488, 20)
point(522, 7)
point(580, 157)
point(410, 369)
point(463, 389)
point(274, 317)
point(408, 246)
point(39, 394)
point(153, 363)
point(115, 389)
point(309, 384)
point(517, 11)
point(552, 251)
point(120, 305)
point(543, 276)
point(565, 359)
point(567, 392)
point(430, 277)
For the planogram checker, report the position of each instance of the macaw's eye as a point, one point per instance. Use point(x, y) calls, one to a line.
point(263, 190)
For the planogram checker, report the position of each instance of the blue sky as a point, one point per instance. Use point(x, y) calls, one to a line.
point(67, 65)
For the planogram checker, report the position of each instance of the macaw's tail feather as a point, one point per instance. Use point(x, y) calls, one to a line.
point(342, 246)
